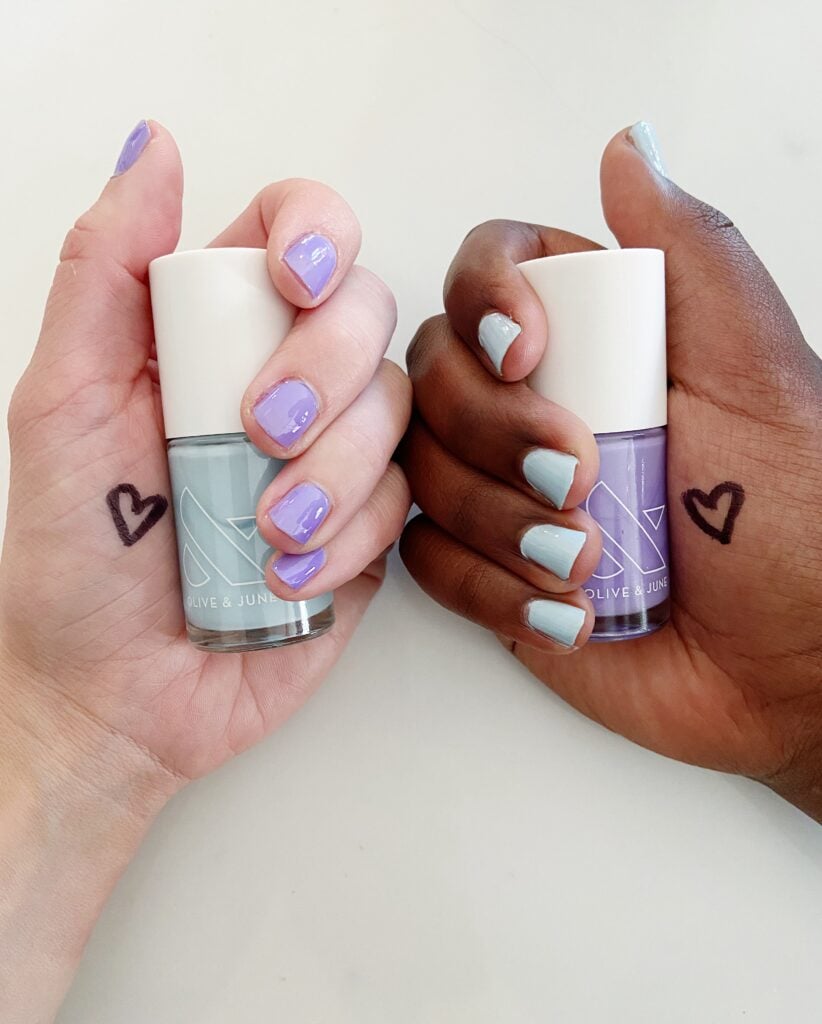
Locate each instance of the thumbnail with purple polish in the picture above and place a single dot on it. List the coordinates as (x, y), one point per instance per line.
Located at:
(132, 148)
(297, 570)
(300, 512)
(287, 411)
(312, 259)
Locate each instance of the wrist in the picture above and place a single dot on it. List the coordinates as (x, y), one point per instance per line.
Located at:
(800, 782)
(51, 742)
(76, 799)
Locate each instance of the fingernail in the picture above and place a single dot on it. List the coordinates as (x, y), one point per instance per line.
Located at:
(300, 512)
(297, 570)
(643, 136)
(551, 473)
(557, 620)
(312, 258)
(555, 548)
(497, 333)
(287, 411)
(132, 148)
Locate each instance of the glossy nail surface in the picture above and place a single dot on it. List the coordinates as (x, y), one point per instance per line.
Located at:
(643, 135)
(133, 146)
(312, 258)
(555, 548)
(551, 473)
(297, 570)
(301, 511)
(497, 333)
(557, 620)
(287, 411)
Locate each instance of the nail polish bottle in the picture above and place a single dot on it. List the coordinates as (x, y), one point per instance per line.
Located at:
(606, 362)
(217, 319)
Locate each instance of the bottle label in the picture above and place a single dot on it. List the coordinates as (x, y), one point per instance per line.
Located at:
(222, 556)
(629, 502)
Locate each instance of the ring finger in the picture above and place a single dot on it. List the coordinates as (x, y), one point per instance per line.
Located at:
(327, 359)
(482, 591)
(316, 495)
(505, 430)
(555, 551)
(375, 527)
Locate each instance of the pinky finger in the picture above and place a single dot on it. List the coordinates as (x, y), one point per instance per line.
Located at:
(483, 592)
(360, 543)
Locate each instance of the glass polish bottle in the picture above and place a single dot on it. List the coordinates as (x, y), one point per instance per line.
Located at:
(606, 362)
(217, 319)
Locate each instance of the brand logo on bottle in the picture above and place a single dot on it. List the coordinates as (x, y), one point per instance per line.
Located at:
(625, 539)
(233, 551)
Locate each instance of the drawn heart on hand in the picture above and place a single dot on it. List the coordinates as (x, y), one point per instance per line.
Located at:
(695, 501)
(155, 503)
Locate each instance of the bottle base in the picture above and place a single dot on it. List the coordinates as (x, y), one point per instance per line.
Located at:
(239, 641)
(608, 628)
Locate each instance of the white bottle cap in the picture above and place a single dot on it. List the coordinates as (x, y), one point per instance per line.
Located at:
(217, 319)
(606, 358)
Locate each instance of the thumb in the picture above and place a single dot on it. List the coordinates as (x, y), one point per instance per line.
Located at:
(97, 323)
(726, 317)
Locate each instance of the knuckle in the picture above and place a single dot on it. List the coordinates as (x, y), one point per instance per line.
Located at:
(398, 386)
(471, 506)
(489, 230)
(80, 241)
(423, 344)
(711, 218)
(377, 291)
(18, 404)
(471, 587)
(386, 511)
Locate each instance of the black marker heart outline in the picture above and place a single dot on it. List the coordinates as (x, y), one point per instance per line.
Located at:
(694, 495)
(156, 504)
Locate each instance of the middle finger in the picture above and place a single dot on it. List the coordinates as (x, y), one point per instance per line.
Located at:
(313, 497)
(327, 359)
(505, 430)
(554, 551)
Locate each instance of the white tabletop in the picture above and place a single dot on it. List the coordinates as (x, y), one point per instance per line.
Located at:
(436, 839)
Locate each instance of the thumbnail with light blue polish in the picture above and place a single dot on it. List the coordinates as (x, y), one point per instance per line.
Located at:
(555, 548)
(497, 333)
(644, 137)
(551, 473)
(554, 619)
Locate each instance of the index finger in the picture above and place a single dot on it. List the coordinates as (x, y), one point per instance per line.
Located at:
(491, 305)
(310, 232)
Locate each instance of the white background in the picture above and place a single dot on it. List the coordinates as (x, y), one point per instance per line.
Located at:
(436, 838)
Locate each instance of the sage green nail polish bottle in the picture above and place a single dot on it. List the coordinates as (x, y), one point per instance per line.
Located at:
(217, 320)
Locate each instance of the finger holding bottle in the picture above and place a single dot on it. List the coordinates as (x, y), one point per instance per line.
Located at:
(316, 495)
(487, 302)
(322, 365)
(311, 235)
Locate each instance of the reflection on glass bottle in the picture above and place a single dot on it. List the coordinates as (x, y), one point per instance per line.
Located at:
(629, 587)
(216, 483)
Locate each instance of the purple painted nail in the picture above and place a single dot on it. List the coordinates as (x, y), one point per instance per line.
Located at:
(295, 570)
(300, 512)
(287, 411)
(132, 148)
(312, 258)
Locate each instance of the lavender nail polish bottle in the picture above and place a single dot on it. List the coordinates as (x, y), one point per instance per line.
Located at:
(217, 319)
(606, 362)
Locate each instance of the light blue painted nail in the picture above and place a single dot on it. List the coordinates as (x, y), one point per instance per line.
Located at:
(497, 333)
(643, 136)
(557, 620)
(551, 473)
(555, 548)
